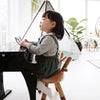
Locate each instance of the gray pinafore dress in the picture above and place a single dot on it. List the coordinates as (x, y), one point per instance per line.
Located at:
(48, 65)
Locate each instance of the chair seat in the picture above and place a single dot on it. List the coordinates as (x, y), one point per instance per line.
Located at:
(54, 79)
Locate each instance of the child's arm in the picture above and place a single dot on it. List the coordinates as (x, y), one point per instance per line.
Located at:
(47, 45)
(26, 42)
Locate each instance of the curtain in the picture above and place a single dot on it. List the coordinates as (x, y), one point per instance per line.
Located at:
(15, 17)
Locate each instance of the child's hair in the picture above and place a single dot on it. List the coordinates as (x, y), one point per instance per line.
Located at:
(58, 30)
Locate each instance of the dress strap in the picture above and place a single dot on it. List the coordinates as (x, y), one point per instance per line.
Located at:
(54, 40)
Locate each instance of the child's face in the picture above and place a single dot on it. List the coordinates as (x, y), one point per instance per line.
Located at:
(47, 25)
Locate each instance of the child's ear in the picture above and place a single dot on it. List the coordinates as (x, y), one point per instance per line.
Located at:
(53, 24)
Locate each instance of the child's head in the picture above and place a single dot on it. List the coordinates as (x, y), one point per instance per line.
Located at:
(57, 23)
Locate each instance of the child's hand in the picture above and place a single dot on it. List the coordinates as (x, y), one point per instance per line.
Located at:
(24, 44)
(27, 41)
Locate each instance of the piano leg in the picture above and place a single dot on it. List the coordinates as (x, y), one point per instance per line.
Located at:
(31, 81)
(3, 93)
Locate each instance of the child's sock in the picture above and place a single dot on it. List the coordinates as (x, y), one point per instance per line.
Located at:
(44, 89)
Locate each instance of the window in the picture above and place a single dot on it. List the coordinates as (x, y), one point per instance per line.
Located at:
(3, 21)
(93, 14)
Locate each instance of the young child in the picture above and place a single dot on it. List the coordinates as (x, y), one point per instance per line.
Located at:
(46, 49)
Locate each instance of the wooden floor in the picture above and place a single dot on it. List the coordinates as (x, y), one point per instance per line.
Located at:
(81, 82)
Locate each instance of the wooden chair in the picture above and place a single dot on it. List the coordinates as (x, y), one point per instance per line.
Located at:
(56, 79)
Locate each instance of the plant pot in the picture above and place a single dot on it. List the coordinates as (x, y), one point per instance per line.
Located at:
(79, 44)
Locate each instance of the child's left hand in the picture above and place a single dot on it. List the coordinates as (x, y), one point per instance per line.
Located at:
(24, 43)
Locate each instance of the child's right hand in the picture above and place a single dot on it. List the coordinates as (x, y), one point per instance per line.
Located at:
(26, 41)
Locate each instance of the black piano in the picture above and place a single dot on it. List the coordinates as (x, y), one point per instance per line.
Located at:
(16, 60)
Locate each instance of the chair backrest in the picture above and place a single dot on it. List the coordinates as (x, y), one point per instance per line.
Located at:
(64, 68)
(62, 58)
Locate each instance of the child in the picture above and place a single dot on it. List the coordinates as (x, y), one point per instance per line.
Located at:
(46, 49)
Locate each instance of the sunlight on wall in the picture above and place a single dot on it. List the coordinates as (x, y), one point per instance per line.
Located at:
(93, 14)
(72, 8)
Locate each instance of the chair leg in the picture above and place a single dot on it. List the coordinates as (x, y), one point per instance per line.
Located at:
(56, 87)
(59, 89)
(44, 95)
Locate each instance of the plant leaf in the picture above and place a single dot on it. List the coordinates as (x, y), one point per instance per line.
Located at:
(79, 27)
(79, 32)
(83, 29)
(83, 20)
(72, 22)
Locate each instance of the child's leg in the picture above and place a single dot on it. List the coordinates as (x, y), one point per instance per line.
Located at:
(44, 89)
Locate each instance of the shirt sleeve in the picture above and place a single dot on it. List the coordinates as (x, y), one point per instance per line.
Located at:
(34, 43)
(42, 48)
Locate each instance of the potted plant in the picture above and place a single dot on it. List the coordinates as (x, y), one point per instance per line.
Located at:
(91, 43)
(76, 30)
